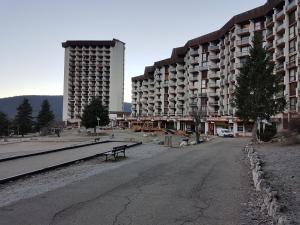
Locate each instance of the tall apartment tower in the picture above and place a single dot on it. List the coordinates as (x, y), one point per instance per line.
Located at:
(93, 69)
(203, 73)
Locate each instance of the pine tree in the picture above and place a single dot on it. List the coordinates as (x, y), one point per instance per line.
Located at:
(4, 124)
(23, 119)
(94, 111)
(45, 116)
(258, 88)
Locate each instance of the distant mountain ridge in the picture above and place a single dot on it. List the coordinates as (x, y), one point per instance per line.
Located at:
(9, 105)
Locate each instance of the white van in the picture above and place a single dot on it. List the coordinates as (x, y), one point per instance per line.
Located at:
(222, 132)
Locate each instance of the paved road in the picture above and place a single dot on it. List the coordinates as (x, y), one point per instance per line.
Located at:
(199, 185)
(26, 165)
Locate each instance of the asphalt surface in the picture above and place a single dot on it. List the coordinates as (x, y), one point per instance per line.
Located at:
(27, 165)
(199, 185)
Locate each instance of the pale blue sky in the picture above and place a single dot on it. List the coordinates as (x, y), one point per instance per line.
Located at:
(31, 56)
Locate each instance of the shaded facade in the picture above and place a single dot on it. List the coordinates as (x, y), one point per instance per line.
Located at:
(202, 73)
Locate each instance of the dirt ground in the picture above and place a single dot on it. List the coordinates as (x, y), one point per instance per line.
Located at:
(282, 165)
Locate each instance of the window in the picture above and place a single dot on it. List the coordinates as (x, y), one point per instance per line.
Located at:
(292, 46)
(292, 32)
(245, 38)
(293, 102)
(292, 75)
(204, 56)
(292, 17)
(245, 49)
(240, 127)
(203, 84)
(258, 26)
(292, 59)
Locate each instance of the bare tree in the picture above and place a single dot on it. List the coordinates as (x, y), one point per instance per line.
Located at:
(198, 114)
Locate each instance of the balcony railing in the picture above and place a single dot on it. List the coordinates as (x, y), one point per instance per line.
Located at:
(194, 52)
(292, 4)
(242, 31)
(280, 15)
(214, 47)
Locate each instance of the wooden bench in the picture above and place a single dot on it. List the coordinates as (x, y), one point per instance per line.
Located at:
(115, 152)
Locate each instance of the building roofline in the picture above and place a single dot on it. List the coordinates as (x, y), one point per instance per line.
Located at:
(258, 12)
(111, 43)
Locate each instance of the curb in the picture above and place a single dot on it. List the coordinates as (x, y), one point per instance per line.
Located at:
(270, 196)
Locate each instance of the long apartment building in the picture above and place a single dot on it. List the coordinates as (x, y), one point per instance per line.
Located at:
(93, 69)
(203, 72)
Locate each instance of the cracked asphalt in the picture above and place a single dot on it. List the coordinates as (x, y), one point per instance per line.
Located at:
(206, 184)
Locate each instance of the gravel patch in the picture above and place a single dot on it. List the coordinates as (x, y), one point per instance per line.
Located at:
(41, 183)
(282, 167)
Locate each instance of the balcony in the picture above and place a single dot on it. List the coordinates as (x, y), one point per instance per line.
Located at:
(291, 64)
(172, 69)
(194, 69)
(270, 35)
(213, 103)
(203, 67)
(243, 31)
(213, 75)
(280, 42)
(280, 29)
(193, 96)
(194, 52)
(202, 94)
(280, 15)
(193, 78)
(194, 61)
(269, 22)
(180, 90)
(172, 84)
(193, 87)
(165, 83)
(242, 54)
(180, 75)
(280, 55)
(180, 68)
(180, 98)
(291, 6)
(171, 105)
(172, 76)
(172, 99)
(212, 94)
(243, 42)
(214, 57)
(239, 65)
(180, 83)
(213, 84)
(158, 78)
(214, 66)
(193, 103)
(270, 46)
(280, 68)
(214, 48)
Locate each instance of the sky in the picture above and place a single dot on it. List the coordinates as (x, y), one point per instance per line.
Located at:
(31, 56)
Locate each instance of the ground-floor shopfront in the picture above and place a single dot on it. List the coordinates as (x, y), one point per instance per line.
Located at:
(208, 125)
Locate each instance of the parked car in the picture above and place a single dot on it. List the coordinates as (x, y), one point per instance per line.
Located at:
(222, 132)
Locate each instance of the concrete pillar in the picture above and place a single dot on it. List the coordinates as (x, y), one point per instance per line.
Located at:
(235, 130)
(206, 128)
(178, 125)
